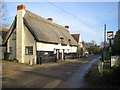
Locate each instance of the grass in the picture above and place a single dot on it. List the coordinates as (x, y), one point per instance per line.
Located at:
(12, 60)
(106, 60)
(110, 77)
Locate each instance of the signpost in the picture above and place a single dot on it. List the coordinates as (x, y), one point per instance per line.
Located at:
(110, 37)
(100, 67)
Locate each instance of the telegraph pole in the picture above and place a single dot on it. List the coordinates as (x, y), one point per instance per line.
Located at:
(105, 36)
(101, 63)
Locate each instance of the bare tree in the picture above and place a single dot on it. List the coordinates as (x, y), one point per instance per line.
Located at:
(2, 10)
(93, 42)
(3, 15)
(102, 44)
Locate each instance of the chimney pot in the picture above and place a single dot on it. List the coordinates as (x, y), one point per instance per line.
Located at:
(50, 19)
(19, 7)
(67, 27)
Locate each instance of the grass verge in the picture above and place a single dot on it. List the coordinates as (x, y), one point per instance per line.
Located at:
(109, 79)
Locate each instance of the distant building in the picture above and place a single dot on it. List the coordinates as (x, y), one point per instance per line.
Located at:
(89, 44)
(32, 38)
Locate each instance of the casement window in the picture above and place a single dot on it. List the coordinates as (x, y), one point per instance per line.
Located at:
(29, 50)
(62, 41)
(10, 49)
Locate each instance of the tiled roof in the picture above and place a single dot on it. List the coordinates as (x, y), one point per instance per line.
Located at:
(76, 37)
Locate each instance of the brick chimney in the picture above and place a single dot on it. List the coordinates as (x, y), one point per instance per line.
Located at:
(19, 7)
(50, 19)
(20, 49)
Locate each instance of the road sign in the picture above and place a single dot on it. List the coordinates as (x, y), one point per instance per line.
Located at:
(110, 35)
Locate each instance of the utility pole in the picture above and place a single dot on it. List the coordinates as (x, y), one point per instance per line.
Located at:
(105, 36)
(101, 63)
(104, 48)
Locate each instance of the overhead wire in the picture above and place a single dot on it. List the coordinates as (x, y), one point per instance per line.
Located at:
(63, 10)
(78, 18)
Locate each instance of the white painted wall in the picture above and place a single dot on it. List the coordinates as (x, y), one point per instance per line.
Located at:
(73, 49)
(20, 49)
(80, 42)
(51, 47)
(29, 41)
(45, 47)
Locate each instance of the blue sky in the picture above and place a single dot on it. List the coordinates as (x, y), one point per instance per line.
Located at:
(85, 18)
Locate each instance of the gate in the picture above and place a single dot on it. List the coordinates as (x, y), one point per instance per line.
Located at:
(45, 57)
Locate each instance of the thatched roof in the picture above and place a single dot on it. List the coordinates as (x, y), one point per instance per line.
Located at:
(46, 31)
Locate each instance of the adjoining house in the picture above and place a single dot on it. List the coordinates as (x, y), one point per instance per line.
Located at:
(80, 49)
(3, 33)
(32, 38)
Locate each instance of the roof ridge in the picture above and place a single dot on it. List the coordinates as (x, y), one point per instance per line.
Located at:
(75, 34)
(46, 21)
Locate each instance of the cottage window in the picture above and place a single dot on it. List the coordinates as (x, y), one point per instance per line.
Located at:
(61, 40)
(29, 50)
(10, 49)
(69, 40)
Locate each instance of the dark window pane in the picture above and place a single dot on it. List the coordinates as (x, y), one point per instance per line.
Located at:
(29, 50)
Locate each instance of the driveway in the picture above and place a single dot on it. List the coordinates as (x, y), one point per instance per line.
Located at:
(64, 74)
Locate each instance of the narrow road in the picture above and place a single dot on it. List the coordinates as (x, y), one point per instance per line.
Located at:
(66, 74)
(77, 79)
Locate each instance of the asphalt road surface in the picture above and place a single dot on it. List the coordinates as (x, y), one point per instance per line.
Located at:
(68, 74)
(77, 79)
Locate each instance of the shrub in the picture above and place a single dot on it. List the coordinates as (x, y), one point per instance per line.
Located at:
(13, 60)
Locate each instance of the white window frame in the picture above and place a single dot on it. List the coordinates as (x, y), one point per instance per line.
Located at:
(28, 50)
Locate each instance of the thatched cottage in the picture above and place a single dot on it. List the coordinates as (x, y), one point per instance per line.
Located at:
(32, 38)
